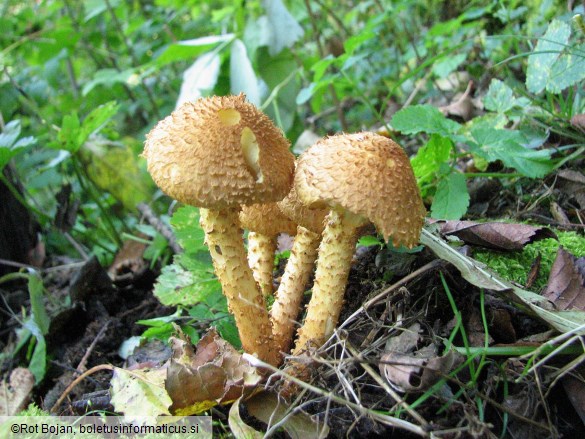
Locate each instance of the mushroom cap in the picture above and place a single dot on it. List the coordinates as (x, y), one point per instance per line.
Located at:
(267, 219)
(368, 175)
(219, 152)
(293, 208)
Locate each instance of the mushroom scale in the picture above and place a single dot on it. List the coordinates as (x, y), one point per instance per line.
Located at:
(219, 153)
(361, 177)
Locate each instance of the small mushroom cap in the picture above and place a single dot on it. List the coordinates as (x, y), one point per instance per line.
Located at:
(368, 175)
(311, 219)
(219, 152)
(266, 219)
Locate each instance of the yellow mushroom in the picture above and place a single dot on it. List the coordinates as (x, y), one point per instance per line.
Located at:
(360, 177)
(219, 153)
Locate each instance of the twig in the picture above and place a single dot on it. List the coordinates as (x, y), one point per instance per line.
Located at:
(77, 380)
(388, 420)
(82, 364)
(159, 226)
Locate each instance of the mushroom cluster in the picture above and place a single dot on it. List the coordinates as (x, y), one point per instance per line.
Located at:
(225, 156)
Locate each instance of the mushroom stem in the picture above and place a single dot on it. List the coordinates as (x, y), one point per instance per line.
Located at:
(261, 249)
(224, 238)
(285, 311)
(335, 253)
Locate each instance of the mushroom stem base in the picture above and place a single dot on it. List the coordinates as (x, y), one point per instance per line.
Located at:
(223, 236)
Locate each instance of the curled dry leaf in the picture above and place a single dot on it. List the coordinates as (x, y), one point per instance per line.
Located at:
(566, 282)
(15, 393)
(215, 374)
(408, 368)
(495, 235)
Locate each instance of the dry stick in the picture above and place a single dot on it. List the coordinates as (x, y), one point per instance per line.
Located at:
(77, 380)
(83, 362)
(395, 396)
(388, 420)
(159, 226)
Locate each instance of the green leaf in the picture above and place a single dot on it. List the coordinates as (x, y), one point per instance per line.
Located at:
(428, 160)
(177, 286)
(107, 77)
(568, 70)
(38, 310)
(96, 119)
(451, 199)
(499, 98)
(189, 234)
(546, 52)
(115, 168)
(10, 145)
(285, 31)
(369, 241)
(423, 118)
(242, 76)
(68, 135)
(190, 49)
(448, 64)
(507, 146)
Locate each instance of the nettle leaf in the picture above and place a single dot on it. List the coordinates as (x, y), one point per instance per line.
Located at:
(178, 286)
(96, 119)
(10, 144)
(568, 69)
(499, 98)
(423, 118)
(545, 54)
(190, 235)
(284, 29)
(507, 146)
(451, 199)
(428, 159)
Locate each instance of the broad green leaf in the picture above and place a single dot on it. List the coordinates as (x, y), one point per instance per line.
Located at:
(448, 64)
(429, 158)
(190, 235)
(115, 168)
(177, 286)
(190, 49)
(10, 144)
(200, 77)
(507, 146)
(38, 361)
(568, 70)
(369, 241)
(96, 119)
(499, 98)
(242, 76)
(38, 310)
(140, 392)
(284, 29)
(451, 199)
(68, 135)
(423, 118)
(107, 77)
(546, 52)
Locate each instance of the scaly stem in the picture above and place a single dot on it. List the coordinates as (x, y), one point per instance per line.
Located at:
(261, 249)
(286, 308)
(335, 252)
(223, 236)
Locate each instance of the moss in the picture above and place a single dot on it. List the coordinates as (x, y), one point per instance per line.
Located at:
(515, 266)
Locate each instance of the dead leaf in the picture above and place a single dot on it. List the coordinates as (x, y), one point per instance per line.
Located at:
(238, 427)
(566, 282)
(408, 368)
(575, 389)
(495, 235)
(268, 408)
(215, 374)
(461, 105)
(572, 183)
(129, 263)
(578, 121)
(15, 393)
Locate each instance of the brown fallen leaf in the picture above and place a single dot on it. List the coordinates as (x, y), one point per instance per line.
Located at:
(566, 282)
(15, 393)
(578, 121)
(575, 390)
(495, 235)
(215, 374)
(410, 369)
(572, 183)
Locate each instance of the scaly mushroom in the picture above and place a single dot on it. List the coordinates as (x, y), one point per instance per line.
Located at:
(219, 153)
(360, 177)
(300, 265)
(264, 222)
